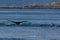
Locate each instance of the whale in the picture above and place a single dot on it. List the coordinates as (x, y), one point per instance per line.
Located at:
(17, 22)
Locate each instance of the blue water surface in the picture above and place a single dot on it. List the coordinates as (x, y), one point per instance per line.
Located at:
(35, 16)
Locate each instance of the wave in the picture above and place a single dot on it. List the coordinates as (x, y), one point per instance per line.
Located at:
(12, 39)
(31, 24)
(19, 11)
(23, 11)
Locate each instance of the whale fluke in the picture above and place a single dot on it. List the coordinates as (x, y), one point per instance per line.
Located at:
(16, 22)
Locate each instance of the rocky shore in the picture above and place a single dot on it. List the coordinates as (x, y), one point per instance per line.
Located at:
(54, 5)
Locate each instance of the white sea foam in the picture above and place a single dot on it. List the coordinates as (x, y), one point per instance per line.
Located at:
(28, 11)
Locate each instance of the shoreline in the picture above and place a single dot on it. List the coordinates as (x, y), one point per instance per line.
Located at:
(54, 5)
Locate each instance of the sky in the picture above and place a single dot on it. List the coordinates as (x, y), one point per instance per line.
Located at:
(24, 2)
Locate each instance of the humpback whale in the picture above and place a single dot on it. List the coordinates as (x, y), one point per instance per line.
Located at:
(16, 22)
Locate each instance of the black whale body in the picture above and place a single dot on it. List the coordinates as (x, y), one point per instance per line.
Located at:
(27, 23)
(30, 24)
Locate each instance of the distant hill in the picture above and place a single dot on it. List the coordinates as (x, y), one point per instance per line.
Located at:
(54, 5)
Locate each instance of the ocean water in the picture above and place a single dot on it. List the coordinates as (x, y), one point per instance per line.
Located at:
(31, 30)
